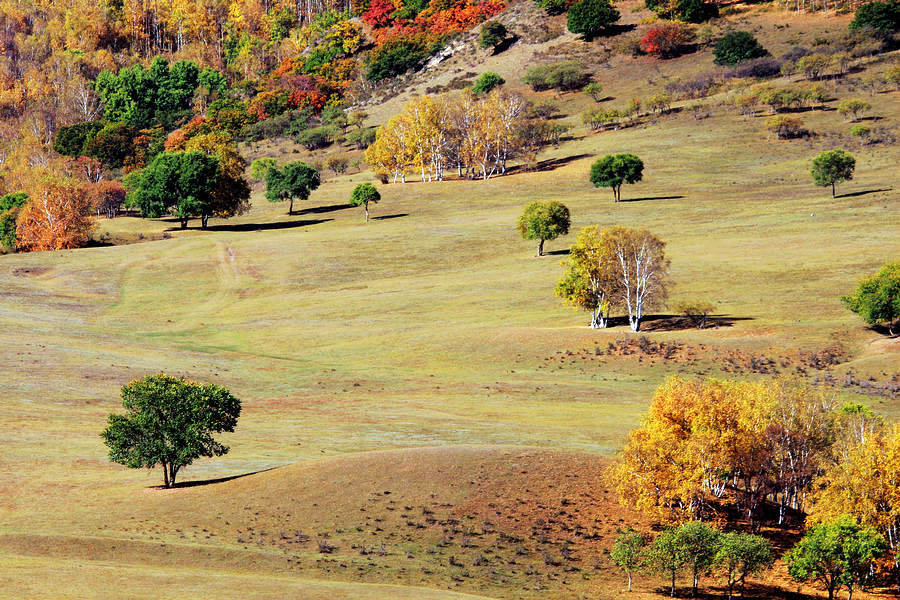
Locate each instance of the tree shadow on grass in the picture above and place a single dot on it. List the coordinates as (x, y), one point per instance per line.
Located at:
(199, 482)
(550, 164)
(651, 198)
(863, 193)
(259, 226)
(386, 217)
(322, 209)
(680, 322)
(563, 252)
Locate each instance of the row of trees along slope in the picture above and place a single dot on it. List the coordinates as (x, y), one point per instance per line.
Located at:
(770, 452)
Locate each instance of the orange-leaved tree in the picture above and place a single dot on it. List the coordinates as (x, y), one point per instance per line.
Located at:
(57, 217)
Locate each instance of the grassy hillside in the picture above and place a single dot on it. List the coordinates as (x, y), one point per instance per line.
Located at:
(432, 326)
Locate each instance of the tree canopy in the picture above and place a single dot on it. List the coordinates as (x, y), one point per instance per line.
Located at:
(170, 422)
(543, 221)
(592, 17)
(737, 46)
(615, 169)
(180, 182)
(838, 553)
(877, 297)
(363, 195)
(832, 167)
(293, 181)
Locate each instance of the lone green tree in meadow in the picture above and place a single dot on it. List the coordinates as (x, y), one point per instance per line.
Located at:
(832, 167)
(740, 555)
(627, 552)
(544, 221)
(877, 297)
(613, 170)
(169, 422)
(293, 181)
(838, 553)
(363, 195)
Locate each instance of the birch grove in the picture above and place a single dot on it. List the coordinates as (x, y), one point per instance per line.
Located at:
(475, 135)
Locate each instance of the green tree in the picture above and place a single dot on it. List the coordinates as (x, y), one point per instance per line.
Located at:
(169, 422)
(668, 555)
(882, 18)
(877, 297)
(363, 195)
(111, 145)
(70, 140)
(592, 17)
(853, 109)
(740, 555)
(486, 82)
(700, 542)
(293, 181)
(9, 211)
(627, 552)
(615, 169)
(142, 98)
(260, 167)
(837, 553)
(180, 182)
(736, 47)
(594, 90)
(544, 221)
(832, 167)
(493, 34)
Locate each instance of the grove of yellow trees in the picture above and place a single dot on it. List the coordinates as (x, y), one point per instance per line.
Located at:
(475, 134)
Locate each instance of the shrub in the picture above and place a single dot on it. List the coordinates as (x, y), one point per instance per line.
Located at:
(318, 137)
(853, 109)
(259, 168)
(736, 47)
(597, 119)
(667, 40)
(562, 76)
(862, 132)
(395, 57)
(877, 17)
(362, 138)
(813, 65)
(594, 90)
(592, 17)
(70, 141)
(692, 88)
(659, 103)
(111, 145)
(546, 109)
(553, 7)
(760, 68)
(287, 124)
(493, 34)
(337, 164)
(692, 11)
(785, 127)
(486, 82)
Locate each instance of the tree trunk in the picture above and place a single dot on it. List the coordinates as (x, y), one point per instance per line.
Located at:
(673, 584)
(204, 220)
(832, 189)
(184, 223)
(367, 212)
(629, 581)
(291, 209)
(541, 248)
(166, 474)
(635, 324)
(696, 583)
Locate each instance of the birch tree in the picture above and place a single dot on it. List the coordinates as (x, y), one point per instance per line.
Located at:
(643, 270)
